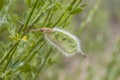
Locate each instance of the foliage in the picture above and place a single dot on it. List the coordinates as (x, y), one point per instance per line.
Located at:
(25, 53)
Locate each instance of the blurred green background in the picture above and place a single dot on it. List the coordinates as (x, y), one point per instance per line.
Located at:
(100, 40)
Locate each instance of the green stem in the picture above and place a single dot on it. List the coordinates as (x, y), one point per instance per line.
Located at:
(7, 54)
(12, 50)
(65, 21)
(64, 13)
(78, 3)
(31, 13)
(19, 30)
(68, 16)
(47, 17)
(31, 57)
(23, 59)
(43, 63)
(41, 12)
(9, 58)
(51, 15)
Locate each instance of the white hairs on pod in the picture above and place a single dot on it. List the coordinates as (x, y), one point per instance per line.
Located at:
(69, 36)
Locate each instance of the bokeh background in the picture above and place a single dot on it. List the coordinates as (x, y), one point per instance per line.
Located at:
(98, 28)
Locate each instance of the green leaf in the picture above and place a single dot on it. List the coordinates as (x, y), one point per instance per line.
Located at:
(76, 11)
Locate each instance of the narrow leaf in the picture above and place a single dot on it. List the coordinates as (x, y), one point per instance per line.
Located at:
(76, 11)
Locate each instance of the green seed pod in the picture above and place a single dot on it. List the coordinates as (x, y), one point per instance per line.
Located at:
(67, 43)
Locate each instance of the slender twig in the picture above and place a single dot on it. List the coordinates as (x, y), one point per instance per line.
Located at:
(42, 43)
(40, 13)
(78, 3)
(68, 16)
(31, 13)
(47, 17)
(7, 54)
(20, 28)
(9, 58)
(49, 14)
(65, 21)
(62, 15)
(42, 65)
(30, 58)
(12, 50)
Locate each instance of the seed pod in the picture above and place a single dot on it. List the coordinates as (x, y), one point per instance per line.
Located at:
(67, 43)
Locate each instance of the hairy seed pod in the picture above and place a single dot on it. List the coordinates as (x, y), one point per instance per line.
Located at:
(67, 43)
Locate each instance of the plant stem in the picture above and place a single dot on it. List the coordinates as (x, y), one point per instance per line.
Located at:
(65, 21)
(78, 3)
(31, 13)
(68, 16)
(47, 17)
(31, 57)
(12, 50)
(41, 12)
(64, 13)
(7, 54)
(9, 58)
(43, 63)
